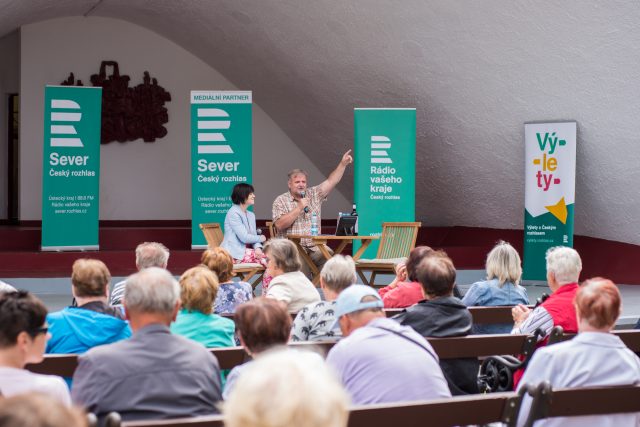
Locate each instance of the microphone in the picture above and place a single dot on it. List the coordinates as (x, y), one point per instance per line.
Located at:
(303, 194)
(258, 231)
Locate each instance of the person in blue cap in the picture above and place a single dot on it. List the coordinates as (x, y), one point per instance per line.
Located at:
(379, 360)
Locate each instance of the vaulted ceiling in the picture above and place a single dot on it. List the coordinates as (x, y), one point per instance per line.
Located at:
(475, 71)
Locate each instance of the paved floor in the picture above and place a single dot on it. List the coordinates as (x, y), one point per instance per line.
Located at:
(56, 292)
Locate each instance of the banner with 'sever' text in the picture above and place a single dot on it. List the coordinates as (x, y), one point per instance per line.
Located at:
(385, 169)
(221, 154)
(550, 192)
(71, 168)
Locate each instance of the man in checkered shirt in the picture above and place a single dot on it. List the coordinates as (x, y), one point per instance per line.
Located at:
(289, 215)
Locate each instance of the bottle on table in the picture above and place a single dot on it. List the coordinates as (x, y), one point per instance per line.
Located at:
(314, 224)
(355, 213)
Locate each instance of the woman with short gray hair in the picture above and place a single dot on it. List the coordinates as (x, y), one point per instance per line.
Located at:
(289, 285)
(502, 287)
(314, 322)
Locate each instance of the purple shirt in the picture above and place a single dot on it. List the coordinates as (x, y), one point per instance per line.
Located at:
(379, 366)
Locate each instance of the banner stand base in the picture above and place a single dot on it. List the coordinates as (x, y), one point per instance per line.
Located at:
(69, 248)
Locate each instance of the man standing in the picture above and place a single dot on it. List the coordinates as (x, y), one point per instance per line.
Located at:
(381, 361)
(292, 210)
(153, 375)
(148, 254)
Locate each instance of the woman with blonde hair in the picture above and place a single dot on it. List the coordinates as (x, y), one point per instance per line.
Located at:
(287, 388)
(230, 294)
(502, 287)
(195, 320)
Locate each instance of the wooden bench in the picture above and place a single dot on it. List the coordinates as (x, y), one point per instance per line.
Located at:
(572, 402)
(447, 348)
(478, 409)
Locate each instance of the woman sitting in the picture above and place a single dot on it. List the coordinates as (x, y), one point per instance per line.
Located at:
(23, 336)
(289, 285)
(261, 324)
(230, 293)
(405, 290)
(501, 287)
(198, 289)
(240, 230)
(595, 357)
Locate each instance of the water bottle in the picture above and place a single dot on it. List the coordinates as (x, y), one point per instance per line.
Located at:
(355, 213)
(314, 224)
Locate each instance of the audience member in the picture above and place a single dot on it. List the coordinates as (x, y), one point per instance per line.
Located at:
(563, 271)
(5, 287)
(93, 322)
(23, 336)
(595, 357)
(261, 324)
(441, 314)
(153, 375)
(289, 285)
(314, 321)
(287, 388)
(502, 286)
(380, 361)
(148, 254)
(39, 410)
(199, 287)
(230, 294)
(405, 290)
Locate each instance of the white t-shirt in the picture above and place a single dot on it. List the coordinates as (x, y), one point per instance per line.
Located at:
(294, 289)
(15, 381)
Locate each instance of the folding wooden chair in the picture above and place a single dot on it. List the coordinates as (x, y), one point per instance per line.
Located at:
(397, 240)
(214, 236)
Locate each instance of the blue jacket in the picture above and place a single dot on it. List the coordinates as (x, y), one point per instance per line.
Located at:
(76, 330)
(239, 230)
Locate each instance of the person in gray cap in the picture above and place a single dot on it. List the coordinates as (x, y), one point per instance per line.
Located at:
(379, 360)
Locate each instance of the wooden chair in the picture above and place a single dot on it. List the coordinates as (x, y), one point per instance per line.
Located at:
(272, 229)
(397, 240)
(214, 236)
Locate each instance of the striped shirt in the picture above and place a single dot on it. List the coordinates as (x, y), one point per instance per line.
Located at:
(118, 293)
(539, 318)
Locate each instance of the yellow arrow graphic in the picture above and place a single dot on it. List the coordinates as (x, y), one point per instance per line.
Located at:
(559, 210)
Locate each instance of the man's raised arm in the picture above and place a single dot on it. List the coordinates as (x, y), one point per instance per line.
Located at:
(334, 177)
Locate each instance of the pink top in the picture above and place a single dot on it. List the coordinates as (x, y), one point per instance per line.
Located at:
(404, 295)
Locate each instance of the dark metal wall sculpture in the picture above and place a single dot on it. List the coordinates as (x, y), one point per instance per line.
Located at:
(128, 113)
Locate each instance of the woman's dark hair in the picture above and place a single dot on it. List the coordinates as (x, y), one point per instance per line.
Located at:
(19, 311)
(240, 193)
(415, 256)
(263, 323)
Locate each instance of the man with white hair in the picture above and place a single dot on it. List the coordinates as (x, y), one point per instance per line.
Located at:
(148, 254)
(316, 321)
(379, 360)
(563, 271)
(153, 375)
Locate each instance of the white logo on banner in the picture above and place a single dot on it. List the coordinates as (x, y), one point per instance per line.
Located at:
(64, 135)
(379, 145)
(212, 121)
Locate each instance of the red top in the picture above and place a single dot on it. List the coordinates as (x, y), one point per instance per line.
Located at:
(405, 294)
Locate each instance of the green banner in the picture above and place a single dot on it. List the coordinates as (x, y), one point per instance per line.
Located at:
(221, 156)
(550, 189)
(71, 168)
(385, 169)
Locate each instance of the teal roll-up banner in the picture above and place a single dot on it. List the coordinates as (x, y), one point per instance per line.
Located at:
(221, 155)
(71, 168)
(385, 169)
(550, 192)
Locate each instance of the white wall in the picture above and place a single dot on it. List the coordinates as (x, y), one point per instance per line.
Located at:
(140, 181)
(9, 83)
